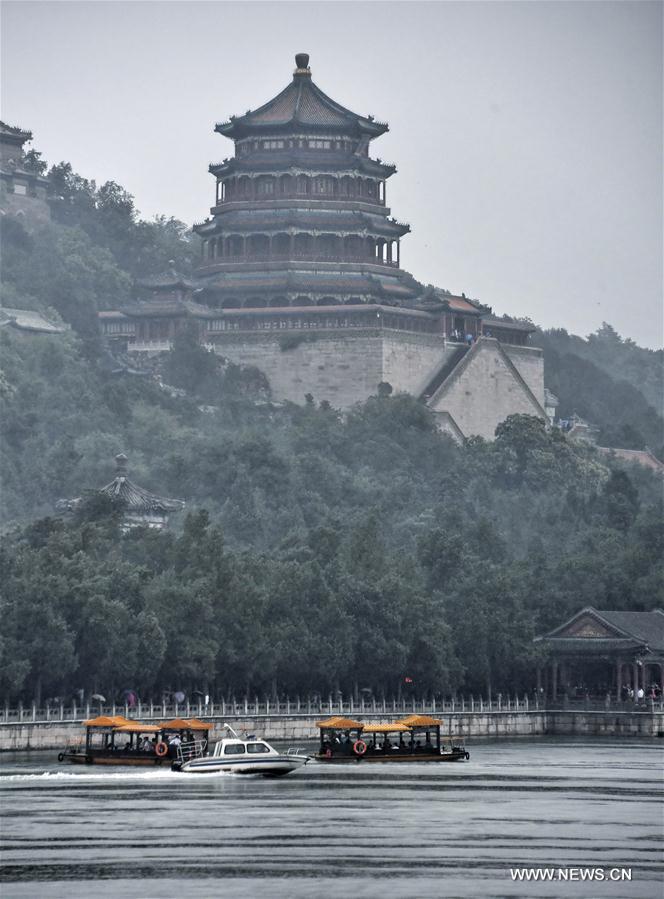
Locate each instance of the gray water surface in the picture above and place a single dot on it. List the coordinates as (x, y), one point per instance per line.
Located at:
(389, 830)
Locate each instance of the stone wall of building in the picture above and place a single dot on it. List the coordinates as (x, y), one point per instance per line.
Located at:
(483, 390)
(346, 367)
(410, 360)
(31, 209)
(341, 367)
(530, 362)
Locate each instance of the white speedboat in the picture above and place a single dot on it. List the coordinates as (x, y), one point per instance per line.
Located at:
(250, 755)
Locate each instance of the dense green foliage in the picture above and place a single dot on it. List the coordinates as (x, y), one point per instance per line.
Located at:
(319, 551)
(609, 381)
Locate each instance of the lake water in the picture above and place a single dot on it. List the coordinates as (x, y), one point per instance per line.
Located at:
(448, 830)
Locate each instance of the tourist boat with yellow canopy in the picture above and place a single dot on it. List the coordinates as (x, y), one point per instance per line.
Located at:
(116, 740)
(415, 738)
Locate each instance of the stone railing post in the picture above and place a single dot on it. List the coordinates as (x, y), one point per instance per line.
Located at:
(73, 711)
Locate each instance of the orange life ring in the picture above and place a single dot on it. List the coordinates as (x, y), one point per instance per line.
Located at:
(359, 747)
(161, 749)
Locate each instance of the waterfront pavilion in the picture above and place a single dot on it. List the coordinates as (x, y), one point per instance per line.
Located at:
(603, 652)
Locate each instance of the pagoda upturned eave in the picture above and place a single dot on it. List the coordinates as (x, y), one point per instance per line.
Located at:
(293, 162)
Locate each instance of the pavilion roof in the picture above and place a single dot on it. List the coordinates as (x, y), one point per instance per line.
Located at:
(338, 722)
(301, 105)
(165, 306)
(135, 499)
(493, 321)
(185, 724)
(108, 721)
(170, 278)
(421, 721)
(383, 727)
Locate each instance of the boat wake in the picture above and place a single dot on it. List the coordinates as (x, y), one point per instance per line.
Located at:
(97, 777)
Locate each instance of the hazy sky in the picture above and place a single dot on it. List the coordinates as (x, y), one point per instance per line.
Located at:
(528, 136)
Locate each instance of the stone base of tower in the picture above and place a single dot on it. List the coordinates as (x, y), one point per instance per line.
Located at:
(469, 389)
(341, 367)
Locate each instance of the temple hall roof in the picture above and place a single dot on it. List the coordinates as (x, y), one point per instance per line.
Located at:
(13, 134)
(29, 320)
(302, 104)
(593, 629)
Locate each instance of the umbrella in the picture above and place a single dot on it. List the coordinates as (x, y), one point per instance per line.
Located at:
(97, 697)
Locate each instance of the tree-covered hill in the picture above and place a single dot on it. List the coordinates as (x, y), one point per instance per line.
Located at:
(319, 550)
(609, 381)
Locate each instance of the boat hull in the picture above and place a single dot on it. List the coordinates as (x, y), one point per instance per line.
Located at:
(455, 755)
(117, 758)
(276, 766)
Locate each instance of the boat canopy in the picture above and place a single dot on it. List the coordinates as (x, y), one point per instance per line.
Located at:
(135, 727)
(108, 721)
(421, 721)
(385, 728)
(185, 724)
(339, 723)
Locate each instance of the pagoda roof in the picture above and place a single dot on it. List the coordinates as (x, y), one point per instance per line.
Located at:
(135, 499)
(400, 284)
(282, 161)
(301, 105)
(308, 219)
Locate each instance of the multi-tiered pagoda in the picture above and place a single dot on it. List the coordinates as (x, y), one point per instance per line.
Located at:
(300, 276)
(301, 217)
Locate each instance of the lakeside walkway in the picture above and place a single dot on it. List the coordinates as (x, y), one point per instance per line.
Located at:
(54, 727)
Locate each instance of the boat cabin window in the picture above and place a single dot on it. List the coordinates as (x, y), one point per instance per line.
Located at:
(234, 749)
(257, 747)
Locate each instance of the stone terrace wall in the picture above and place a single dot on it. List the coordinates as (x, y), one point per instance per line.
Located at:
(55, 735)
(341, 367)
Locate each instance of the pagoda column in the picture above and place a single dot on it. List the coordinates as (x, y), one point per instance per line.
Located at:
(554, 680)
(618, 679)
